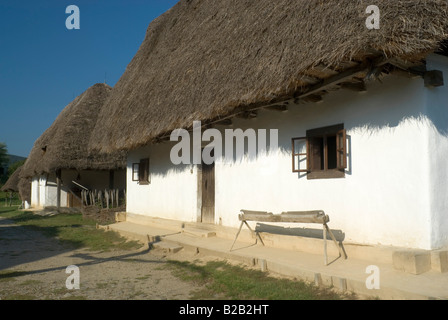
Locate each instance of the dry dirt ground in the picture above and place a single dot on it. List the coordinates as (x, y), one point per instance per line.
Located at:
(33, 266)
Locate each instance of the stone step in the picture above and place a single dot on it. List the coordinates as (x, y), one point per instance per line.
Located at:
(420, 261)
(199, 232)
(167, 246)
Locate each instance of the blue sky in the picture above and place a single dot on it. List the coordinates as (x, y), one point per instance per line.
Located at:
(44, 66)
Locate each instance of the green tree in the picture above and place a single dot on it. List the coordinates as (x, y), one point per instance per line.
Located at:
(13, 167)
(4, 158)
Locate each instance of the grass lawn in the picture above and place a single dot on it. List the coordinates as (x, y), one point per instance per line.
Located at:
(222, 280)
(218, 279)
(5, 199)
(70, 229)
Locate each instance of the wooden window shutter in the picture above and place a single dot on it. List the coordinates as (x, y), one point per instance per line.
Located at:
(316, 154)
(341, 149)
(296, 154)
(143, 171)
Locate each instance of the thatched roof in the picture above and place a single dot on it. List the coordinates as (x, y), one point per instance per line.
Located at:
(13, 182)
(25, 189)
(207, 59)
(20, 185)
(64, 145)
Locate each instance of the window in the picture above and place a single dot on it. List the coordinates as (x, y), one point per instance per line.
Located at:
(143, 171)
(324, 152)
(140, 171)
(135, 171)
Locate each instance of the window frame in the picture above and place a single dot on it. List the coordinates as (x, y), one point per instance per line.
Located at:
(340, 153)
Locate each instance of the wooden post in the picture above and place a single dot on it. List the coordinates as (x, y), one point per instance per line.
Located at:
(106, 196)
(100, 198)
(325, 244)
(112, 197)
(58, 192)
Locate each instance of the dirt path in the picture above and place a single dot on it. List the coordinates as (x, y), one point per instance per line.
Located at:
(33, 266)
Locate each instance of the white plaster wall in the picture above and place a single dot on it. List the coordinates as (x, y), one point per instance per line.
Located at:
(437, 110)
(42, 190)
(172, 192)
(51, 192)
(35, 192)
(390, 194)
(384, 197)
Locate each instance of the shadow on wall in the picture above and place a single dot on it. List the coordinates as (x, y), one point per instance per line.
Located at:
(384, 107)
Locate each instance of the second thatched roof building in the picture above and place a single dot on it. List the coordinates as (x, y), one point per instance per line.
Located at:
(60, 165)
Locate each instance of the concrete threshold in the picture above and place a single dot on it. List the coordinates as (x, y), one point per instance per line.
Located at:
(365, 277)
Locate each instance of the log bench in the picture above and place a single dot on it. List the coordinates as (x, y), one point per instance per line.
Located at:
(316, 216)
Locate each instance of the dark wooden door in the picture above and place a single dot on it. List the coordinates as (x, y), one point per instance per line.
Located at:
(208, 193)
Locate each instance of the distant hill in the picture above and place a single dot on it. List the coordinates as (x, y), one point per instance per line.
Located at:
(13, 158)
(4, 170)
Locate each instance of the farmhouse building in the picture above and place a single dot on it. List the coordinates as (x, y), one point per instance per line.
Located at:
(361, 114)
(60, 167)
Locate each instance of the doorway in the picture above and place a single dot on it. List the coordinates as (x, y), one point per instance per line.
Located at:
(208, 192)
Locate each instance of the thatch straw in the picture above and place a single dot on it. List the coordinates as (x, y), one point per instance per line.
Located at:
(64, 144)
(25, 189)
(203, 58)
(13, 182)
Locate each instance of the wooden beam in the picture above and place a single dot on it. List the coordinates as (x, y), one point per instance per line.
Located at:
(278, 107)
(342, 77)
(359, 86)
(224, 122)
(312, 98)
(247, 115)
(433, 78)
(309, 79)
(321, 68)
(404, 73)
(354, 69)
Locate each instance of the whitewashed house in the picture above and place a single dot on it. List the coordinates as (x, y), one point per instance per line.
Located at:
(361, 116)
(59, 166)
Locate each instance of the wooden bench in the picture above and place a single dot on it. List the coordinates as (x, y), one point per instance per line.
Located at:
(316, 216)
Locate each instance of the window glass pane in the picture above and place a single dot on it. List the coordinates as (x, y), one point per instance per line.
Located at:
(317, 153)
(332, 154)
(300, 154)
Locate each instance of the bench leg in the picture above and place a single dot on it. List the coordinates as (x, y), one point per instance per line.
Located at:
(341, 252)
(325, 244)
(237, 234)
(255, 233)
